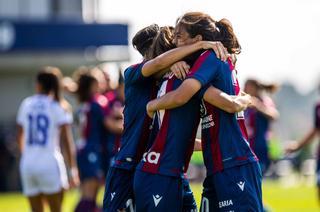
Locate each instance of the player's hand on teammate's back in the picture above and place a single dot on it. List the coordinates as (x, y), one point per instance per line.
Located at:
(180, 69)
(218, 48)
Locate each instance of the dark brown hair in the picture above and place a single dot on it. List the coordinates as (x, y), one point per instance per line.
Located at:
(49, 79)
(143, 39)
(270, 88)
(84, 79)
(198, 23)
(162, 42)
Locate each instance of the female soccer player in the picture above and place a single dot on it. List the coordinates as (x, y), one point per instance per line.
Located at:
(42, 121)
(307, 139)
(91, 120)
(113, 117)
(259, 116)
(157, 184)
(140, 87)
(233, 179)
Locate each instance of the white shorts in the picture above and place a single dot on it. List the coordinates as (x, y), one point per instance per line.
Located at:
(43, 176)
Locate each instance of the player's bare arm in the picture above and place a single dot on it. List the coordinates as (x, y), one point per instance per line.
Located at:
(165, 60)
(113, 125)
(68, 143)
(309, 137)
(20, 137)
(230, 104)
(191, 86)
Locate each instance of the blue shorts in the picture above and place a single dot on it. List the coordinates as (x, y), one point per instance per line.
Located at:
(234, 189)
(157, 192)
(89, 164)
(189, 203)
(118, 192)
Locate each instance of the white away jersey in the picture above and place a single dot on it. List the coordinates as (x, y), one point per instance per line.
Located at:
(41, 116)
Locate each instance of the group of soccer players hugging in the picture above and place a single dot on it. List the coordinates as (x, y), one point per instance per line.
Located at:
(187, 74)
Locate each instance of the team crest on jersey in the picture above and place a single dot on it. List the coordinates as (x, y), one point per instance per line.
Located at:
(203, 109)
(151, 157)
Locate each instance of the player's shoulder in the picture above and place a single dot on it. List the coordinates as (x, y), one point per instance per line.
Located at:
(98, 104)
(28, 101)
(209, 57)
(209, 54)
(132, 68)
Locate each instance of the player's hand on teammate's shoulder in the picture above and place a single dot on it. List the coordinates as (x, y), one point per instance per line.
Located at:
(217, 47)
(180, 69)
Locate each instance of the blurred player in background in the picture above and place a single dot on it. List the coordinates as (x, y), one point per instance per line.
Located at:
(307, 139)
(259, 117)
(91, 118)
(112, 108)
(114, 113)
(44, 121)
(229, 161)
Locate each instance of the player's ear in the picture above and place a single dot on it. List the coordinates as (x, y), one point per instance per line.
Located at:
(198, 38)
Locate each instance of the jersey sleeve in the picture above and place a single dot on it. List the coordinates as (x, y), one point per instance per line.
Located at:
(133, 74)
(317, 117)
(69, 117)
(21, 113)
(62, 116)
(205, 69)
(202, 91)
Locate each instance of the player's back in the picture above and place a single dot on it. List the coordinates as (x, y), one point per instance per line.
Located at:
(173, 145)
(224, 136)
(139, 90)
(41, 118)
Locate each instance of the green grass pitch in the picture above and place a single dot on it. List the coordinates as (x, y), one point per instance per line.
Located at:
(279, 196)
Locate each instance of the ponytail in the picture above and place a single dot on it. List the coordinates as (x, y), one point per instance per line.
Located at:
(227, 36)
(162, 42)
(198, 23)
(268, 87)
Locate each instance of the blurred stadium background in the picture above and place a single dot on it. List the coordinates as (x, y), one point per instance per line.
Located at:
(70, 33)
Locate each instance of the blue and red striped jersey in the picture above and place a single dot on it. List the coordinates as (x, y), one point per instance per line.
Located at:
(172, 148)
(258, 126)
(139, 90)
(90, 118)
(224, 136)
